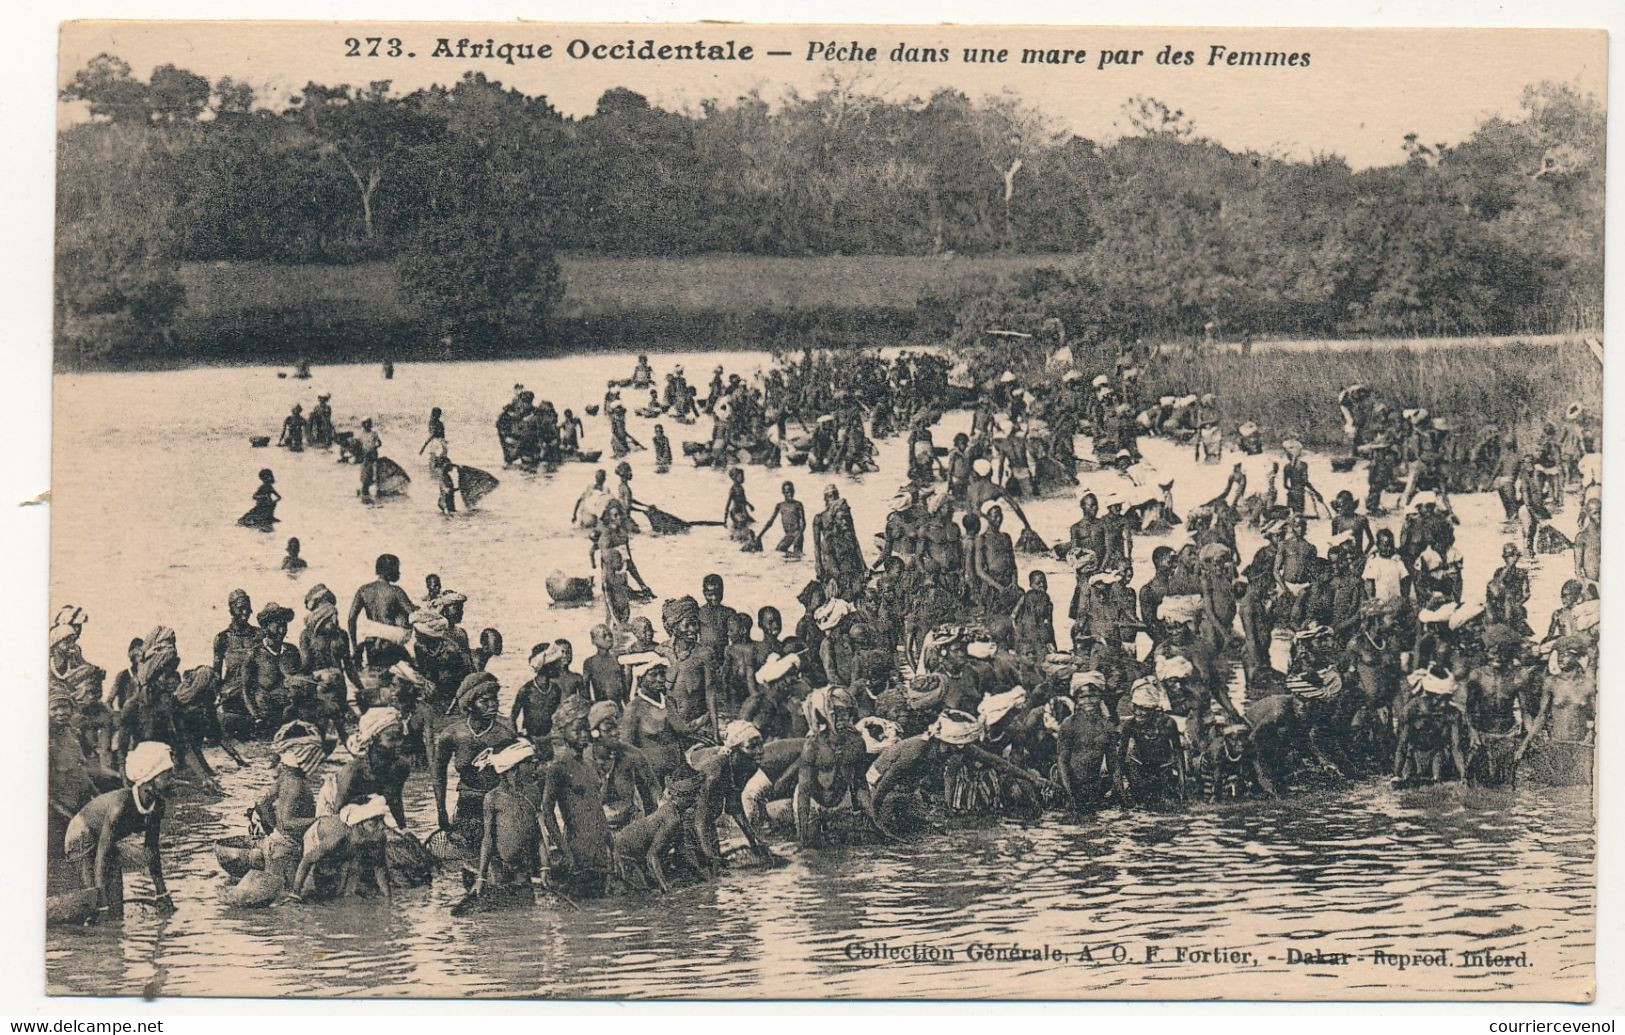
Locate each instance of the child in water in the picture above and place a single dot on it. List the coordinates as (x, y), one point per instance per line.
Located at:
(447, 486)
(602, 670)
(792, 519)
(616, 594)
(662, 450)
(263, 515)
(490, 647)
(1247, 438)
(738, 662)
(435, 444)
(570, 434)
(736, 513)
(1034, 617)
(293, 564)
(1209, 442)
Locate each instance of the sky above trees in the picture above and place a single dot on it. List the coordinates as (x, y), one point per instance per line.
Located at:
(1363, 91)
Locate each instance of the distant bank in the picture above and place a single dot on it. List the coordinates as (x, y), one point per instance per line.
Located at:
(260, 312)
(257, 312)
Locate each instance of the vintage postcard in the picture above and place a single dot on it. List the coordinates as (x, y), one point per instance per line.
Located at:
(730, 511)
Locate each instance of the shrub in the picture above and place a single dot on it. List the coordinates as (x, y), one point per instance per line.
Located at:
(484, 282)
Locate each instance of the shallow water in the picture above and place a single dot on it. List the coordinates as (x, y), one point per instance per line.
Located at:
(153, 469)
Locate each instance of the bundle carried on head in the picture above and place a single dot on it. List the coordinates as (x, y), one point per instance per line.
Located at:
(994, 707)
(956, 727)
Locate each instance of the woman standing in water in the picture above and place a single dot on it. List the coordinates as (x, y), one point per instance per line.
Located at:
(263, 516)
(437, 438)
(320, 425)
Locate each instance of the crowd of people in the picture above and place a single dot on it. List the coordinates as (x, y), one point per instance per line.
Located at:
(923, 678)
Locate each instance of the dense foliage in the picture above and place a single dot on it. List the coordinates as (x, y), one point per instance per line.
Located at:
(1172, 232)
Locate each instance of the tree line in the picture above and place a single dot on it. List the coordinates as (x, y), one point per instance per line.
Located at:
(470, 189)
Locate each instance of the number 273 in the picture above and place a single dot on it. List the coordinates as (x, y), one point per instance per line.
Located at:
(370, 46)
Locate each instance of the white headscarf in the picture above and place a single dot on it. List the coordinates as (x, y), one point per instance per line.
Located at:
(1090, 680)
(1465, 613)
(878, 734)
(1148, 693)
(549, 654)
(359, 812)
(373, 722)
(1443, 685)
(71, 615)
(1174, 667)
(146, 761)
(1177, 610)
(738, 733)
(508, 757)
(830, 615)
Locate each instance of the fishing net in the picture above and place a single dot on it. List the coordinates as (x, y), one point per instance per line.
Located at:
(662, 523)
(1550, 540)
(446, 847)
(1555, 763)
(391, 479)
(475, 483)
(1029, 542)
(410, 862)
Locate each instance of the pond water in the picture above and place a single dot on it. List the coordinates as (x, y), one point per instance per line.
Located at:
(153, 469)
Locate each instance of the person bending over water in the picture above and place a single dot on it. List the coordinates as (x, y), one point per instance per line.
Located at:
(93, 836)
(907, 765)
(340, 849)
(724, 773)
(375, 766)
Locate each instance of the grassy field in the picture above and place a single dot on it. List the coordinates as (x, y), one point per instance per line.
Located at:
(599, 286)
(258, 312)
(1481, 385)
(608, 290)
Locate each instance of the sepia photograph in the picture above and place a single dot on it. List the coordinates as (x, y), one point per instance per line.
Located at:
(824, 512)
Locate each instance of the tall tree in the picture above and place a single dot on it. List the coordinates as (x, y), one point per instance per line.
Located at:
(106, 85)
(367, 131)
(177, 95)
(1012, 134)
(117, 286)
